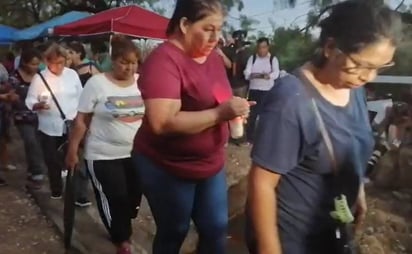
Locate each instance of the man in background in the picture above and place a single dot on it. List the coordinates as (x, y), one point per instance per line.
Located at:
(261, 71)
(238, 55)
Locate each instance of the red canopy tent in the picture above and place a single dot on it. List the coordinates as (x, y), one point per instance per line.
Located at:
(129, 20)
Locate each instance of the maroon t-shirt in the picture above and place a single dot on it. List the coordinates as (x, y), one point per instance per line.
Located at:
(169, 73)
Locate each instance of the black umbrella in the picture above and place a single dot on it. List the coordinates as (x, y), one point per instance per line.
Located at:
(69, 207)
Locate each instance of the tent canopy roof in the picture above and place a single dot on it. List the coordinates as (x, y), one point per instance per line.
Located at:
(128, 20)
(41, 29)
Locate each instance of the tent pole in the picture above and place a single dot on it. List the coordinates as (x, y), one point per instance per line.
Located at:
(110, 44)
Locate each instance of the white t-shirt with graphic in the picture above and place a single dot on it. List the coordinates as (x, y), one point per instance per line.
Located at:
(117, 115)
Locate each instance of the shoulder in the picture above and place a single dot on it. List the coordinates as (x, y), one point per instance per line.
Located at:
(97, 79)
(164, 56)
(288, 88)
(70, 72)
(164, 50)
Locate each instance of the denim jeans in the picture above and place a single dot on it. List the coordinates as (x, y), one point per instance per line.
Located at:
(174, 201)
(32, 149)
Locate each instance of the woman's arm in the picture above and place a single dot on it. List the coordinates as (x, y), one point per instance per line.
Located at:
(226, 60)
(32, 100)
(81, 125)
(263, 206)
(164, 115)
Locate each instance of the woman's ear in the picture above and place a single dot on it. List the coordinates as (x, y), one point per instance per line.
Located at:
(183, 25)
(329, 49)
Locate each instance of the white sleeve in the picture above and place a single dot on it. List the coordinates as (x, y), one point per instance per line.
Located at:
(275, 68)
(34, 91)
(78, 84)
(248, 70)
(89, 97)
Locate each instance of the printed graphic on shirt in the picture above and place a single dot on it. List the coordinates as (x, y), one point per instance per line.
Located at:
(127, 109)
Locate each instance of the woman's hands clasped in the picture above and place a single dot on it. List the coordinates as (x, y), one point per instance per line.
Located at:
(234, 107)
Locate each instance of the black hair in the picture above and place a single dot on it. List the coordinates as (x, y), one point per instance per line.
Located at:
(98, 47)
(193, 10)
(263, 39)
(43, 47)
(354, 24)
(28, 55)
(10, 56)
(121, 46)
(78, 48)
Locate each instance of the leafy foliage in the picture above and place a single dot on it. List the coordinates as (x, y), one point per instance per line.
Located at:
(292, 47)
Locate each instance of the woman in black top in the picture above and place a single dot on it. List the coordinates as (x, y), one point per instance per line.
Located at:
(25, 119)
(85, 68)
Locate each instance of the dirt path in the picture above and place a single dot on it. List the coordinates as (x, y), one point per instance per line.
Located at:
(24, 229)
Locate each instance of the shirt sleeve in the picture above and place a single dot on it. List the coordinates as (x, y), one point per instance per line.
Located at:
(160, 77)
(275, 69)
(278, 140)
(89, 97)
(248, 70)
(78, 84)
(34, 91)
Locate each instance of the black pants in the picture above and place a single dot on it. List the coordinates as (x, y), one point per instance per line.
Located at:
(118, 195)
(54, 160)
(258, 96)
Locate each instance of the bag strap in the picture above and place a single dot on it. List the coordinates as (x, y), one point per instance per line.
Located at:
(62, 115)
(322, 126)
(325, 136)
(272, 56)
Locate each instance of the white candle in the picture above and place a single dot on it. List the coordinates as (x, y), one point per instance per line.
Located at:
(44, 97)
(236, 127)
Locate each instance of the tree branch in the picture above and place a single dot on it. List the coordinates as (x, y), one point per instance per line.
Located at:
(313, 23)
(399, 5)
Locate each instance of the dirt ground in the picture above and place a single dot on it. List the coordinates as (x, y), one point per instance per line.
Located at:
(388, 225)
(24, 229)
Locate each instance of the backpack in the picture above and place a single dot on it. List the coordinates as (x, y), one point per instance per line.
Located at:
(270, 59)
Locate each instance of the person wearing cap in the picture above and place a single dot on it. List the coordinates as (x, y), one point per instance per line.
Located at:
(239, 57)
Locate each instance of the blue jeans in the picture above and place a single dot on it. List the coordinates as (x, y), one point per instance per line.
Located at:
(174, 201)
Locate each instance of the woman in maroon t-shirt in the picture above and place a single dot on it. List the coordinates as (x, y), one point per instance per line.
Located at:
(179, 149)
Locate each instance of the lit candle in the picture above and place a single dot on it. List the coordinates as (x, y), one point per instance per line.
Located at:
(44, 97)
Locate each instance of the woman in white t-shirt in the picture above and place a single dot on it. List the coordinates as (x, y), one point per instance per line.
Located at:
(109, 114)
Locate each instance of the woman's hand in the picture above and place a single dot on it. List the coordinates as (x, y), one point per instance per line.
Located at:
(41, 106)
(361, 209)
(72, 159)
(234, 107)
(12, 96)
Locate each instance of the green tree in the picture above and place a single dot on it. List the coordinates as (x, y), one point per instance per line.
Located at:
(292, 47)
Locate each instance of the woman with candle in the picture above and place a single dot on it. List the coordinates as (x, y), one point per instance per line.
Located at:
(66, 87)
(179, 150)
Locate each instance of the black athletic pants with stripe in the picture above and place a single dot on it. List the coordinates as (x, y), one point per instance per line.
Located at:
(118, 195)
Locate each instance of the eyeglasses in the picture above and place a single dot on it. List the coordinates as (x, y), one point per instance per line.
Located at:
(362, 68)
